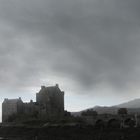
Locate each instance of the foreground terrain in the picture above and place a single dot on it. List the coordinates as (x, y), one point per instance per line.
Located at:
(69, 133)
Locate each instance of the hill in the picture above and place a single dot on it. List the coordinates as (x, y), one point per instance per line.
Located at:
(132, 106)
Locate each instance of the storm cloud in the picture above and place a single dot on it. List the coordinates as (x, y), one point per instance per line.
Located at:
(83, 44)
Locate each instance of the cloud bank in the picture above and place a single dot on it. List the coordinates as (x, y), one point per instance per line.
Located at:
(85, 44)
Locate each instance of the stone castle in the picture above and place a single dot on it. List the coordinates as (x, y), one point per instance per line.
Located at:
(49, 103)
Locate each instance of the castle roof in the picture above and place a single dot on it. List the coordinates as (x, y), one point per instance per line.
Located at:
(12, 100)
(51, 89)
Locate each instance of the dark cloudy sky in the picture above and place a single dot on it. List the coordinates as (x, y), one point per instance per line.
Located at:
(90, 47)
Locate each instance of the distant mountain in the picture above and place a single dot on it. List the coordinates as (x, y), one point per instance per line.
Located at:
(132, 106)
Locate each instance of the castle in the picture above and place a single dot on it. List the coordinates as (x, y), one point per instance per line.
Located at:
(49, 103)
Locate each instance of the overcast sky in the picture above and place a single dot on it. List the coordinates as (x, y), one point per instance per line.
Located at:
(91, 48)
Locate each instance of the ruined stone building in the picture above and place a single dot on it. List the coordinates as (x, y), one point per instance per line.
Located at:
(49, 103)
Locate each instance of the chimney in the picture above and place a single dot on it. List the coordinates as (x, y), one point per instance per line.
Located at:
(31, 101)
(42, 87)
(57, 85)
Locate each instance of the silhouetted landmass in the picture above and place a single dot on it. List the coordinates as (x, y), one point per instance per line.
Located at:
(132, 106)
(69, 133)
(99, 123)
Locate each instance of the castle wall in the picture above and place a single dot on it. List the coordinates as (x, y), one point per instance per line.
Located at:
(10, 107)
(31, 109)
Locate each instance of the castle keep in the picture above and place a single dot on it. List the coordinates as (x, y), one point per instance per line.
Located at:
(49, 103)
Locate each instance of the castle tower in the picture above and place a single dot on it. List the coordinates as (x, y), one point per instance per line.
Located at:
(51, 101)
